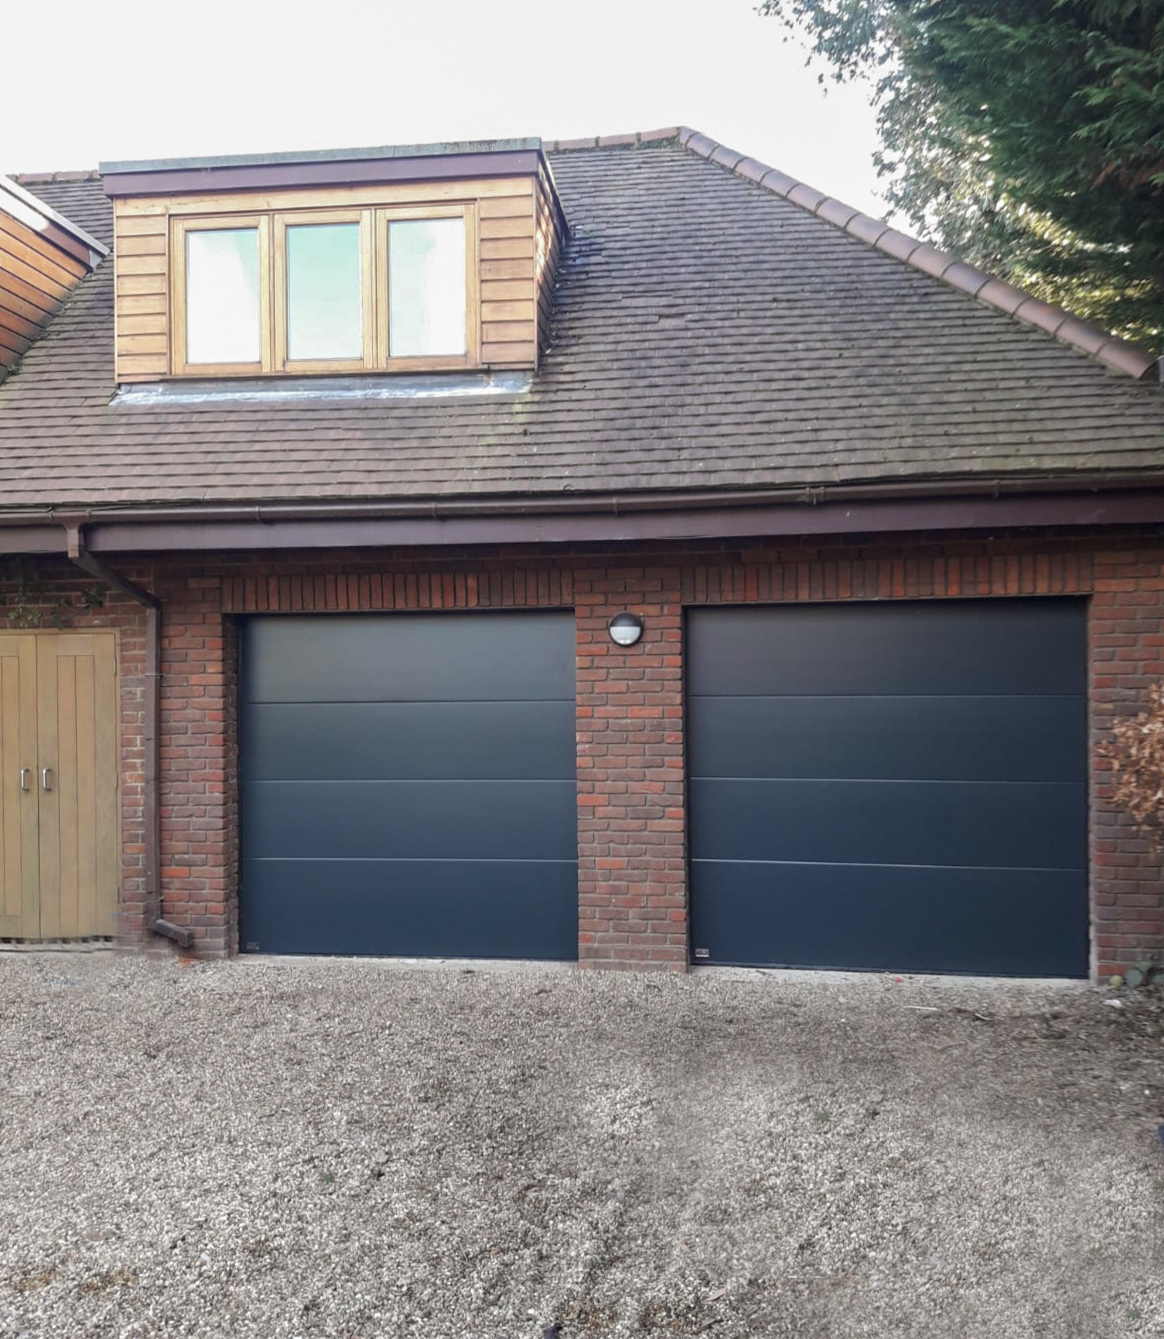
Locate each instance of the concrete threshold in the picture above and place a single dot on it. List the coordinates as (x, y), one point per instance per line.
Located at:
(834, 977)
(492, 965)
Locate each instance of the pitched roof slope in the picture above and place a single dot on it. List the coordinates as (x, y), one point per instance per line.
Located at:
(78, 196)
(1116, 353)
(707, 334)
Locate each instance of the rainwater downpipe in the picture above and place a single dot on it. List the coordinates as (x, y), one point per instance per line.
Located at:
(151, 712)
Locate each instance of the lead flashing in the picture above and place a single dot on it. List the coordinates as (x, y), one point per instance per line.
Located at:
(299, 390)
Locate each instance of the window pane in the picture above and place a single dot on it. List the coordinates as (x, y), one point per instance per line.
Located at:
(324, 314)
(222, 296)
(426, 287)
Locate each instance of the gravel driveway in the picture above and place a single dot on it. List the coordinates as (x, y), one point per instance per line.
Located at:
(347, 1149)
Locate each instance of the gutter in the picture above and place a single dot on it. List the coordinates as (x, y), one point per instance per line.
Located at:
(151, 710)
(787, 513)
(613, 504)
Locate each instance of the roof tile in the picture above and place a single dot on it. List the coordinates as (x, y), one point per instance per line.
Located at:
(1042, 314)
(930, 260)
(807, 197)
(866, 228)
(1124, 357)
(751, 169)
(700, 144)
(966, 277)
(1004, 296)
(897, 244)
(727, 157)
(650, 136)
(779, 182)
(835, 212)
(1082, 335)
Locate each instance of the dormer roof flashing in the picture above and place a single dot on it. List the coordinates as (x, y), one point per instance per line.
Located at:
(445, 161)
(326, 155)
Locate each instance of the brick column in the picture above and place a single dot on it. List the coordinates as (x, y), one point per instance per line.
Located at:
(198, 764)
(1127, 655)
(632, 855)
(131, 907)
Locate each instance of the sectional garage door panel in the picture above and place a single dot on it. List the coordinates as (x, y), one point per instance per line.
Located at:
(1025, 922)
(381, 817)
(898, 786)
(429, 741)
(1020, 738)
(423, 909)
(1022, 825)
(411, 658)
(947, 648)
(410, 820)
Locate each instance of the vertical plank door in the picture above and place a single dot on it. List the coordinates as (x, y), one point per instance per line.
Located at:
(77, 783)
(19, 875)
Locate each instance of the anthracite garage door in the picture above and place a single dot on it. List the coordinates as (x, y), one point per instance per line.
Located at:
(409, 785)
(894, 786)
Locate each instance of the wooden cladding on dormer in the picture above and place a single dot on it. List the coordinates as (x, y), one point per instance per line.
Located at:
(41, 261)
(513, 228)
(549, 237)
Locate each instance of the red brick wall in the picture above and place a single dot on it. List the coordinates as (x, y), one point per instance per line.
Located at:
(632, 838)
(1126, 635)
(199, 764)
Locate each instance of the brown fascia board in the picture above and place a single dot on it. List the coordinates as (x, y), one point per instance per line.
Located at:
(790, 514)
(347, 168)
(1117, 354)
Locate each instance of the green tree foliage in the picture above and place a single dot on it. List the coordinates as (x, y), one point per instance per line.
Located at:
(1026, 136)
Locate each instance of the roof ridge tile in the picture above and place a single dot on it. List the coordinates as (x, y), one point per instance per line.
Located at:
(612, 141)
(1118, 354)
(51, 178)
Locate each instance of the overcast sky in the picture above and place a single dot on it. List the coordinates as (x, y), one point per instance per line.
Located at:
(163, 80)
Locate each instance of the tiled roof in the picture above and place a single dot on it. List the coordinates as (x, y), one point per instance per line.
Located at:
(1115, 353)
(76, 195)
(708, 333)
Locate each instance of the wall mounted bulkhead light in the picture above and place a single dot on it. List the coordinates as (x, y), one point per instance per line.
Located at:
(625, 629)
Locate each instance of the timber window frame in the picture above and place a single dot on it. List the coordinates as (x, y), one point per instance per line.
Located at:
(281, 222)
(181, 229)
(375, 290)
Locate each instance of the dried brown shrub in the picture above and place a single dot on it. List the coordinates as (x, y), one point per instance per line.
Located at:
(1136, 754)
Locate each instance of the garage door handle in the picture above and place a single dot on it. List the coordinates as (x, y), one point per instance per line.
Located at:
(46, 774)
(24, 771)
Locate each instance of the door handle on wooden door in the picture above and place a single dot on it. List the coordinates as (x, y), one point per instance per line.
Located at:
(46, 778)
(24, 771)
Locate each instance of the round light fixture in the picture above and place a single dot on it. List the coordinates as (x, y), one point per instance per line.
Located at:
(625, 629)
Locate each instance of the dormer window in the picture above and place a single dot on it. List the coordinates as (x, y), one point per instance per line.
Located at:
(223, 296)
(367, 261)
(325, 291)
(427, 302)
(323, 271)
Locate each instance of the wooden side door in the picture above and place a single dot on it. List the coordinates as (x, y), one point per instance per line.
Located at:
(76, 781)
(19, 790)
